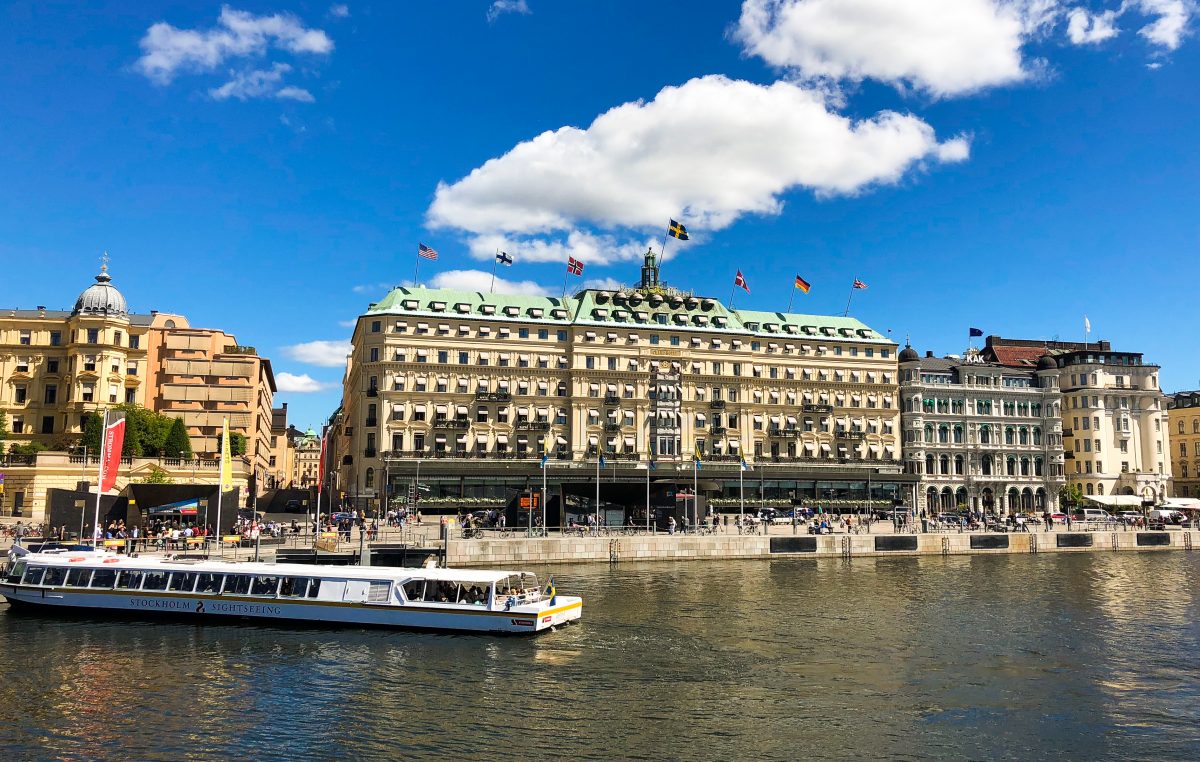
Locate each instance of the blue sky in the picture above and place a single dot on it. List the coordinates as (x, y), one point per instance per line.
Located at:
(269, 168)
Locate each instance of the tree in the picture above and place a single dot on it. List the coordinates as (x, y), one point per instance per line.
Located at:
(177, 444)
(3, 426)
(93, 429)
(237, 443)
(1070, 494)
(28, 448)
(157, 476)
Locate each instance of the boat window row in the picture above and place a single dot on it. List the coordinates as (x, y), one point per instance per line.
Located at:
(207, 583)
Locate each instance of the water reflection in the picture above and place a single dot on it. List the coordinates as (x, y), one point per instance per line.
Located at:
(1087, 656)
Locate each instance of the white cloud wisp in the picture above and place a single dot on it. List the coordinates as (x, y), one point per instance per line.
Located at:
(300, 384)
(478, 280)
(501, 7)
(706, 152)
(326, 354)
(1085, 28)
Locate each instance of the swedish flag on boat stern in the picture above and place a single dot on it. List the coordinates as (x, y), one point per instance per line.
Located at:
(549, 592)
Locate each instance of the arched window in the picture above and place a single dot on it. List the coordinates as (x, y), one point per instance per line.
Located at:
(945, 463)
(1196, 425)
(929, 432)
(369, 479)
(1037, 435)
(1024, 466)
(985, 465)
(1037, 466)
(1023, 435)
(959, 464)
(1091, 490)
(929, 469)
(958, 433)
(943, 434)
(1012, 466)
(985, 434)
(1008, 435)
(1099, 489)
(1181, 426)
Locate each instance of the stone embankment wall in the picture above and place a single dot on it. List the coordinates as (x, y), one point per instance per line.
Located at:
(662, 547)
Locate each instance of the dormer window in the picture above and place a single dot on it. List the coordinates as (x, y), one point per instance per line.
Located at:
(409, 304)
(462, 307)
(535, 312)
(511, 311)
(488, 309)
(437, 306)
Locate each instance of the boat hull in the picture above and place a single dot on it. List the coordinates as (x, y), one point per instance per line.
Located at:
(526, 619)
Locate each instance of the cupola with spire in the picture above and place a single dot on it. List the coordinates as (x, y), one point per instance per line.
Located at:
(101, 299)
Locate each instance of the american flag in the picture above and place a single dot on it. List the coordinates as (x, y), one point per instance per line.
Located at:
(741, 281)
(426, 252)
(574, 266)
(859, 284)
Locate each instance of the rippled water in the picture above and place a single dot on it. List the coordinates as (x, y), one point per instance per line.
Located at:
(1087, 656)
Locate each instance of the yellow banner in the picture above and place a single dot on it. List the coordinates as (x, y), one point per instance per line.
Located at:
(226, 465)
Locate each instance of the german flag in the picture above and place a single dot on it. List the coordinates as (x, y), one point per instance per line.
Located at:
(802, 284)
(675, 230)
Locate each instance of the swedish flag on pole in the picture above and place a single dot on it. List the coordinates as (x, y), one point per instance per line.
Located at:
(545, 451)
(696, 459)
(549, 592)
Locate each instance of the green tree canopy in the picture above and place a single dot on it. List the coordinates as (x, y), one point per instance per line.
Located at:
(3, 426)
(237, 443)
(177, 444)
(146, 433)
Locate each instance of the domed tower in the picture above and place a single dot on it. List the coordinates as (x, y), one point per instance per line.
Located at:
(1047, 371)
(101, 299)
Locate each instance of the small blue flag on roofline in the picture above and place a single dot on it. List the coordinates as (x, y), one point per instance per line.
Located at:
(975, 332)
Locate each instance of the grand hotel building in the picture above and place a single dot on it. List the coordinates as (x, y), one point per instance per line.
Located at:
(469, 388)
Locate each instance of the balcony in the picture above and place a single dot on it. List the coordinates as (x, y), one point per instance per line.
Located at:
(532, 426)
(818, 408)
(610, 427)
(776, 431)
(372, 422)
(717, 430)
(717, 405)
(493, 397)
(1068, 432)
(373, 391)
(612, 399)
(852, 435)
(369, 452)
(452, 423)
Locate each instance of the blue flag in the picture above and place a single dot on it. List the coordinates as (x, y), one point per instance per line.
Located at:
(602, 460)
(975, 332)
(745, 465)
(545, 457)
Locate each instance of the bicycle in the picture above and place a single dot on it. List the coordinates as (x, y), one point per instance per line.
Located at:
(573, 532)
(535, 532)
(470, 533)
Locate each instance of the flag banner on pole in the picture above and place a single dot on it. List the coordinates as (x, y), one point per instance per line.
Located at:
(114, 442)
(602, 461)
(226, 465)
(426, 252)
(574, 266)
(745, 465)
(802, 284)
(321, 465)
(859, 284)
(1087, 324)
(739, 280)
(504, 258)
(696, 459)
(675, 230)
(975, 332)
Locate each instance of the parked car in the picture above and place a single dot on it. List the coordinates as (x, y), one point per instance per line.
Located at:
(1092, 514)
(1129, 517)
(1058, 518)
(1167, 516)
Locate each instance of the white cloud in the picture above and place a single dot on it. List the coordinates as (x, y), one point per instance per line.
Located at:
(168, 50)
(260, 83)
(339, 11)
(1171, 20)
(348, 323)
(300, 384)
(1085, 28)
(604, 284)
(478, 280)
(500, 7)
(706, 152)
(327, 354)
(944, 47)
(373, 288)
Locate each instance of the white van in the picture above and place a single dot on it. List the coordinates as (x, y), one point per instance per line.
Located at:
(1091, 514)
(1166, 516)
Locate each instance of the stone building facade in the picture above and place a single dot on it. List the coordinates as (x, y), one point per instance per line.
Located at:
(1183, 413)
(981, 436)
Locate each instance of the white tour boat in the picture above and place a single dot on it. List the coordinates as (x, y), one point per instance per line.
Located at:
(471, 600)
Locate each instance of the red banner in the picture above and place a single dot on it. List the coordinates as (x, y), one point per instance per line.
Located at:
(114, 441)
(321, 465)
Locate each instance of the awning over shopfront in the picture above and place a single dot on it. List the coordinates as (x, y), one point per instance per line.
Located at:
(1182, 504)
(1115, 501)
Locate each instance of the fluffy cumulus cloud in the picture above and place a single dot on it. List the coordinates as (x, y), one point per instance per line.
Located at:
(501, 7)
(168, 51)
(478, 280)
(327, 354)
(943, 47)
(1086, 28)
(707, 151)
(301, 384)
(591, 248)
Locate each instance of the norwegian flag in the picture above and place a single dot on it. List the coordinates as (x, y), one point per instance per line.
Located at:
(574, 266)
(859, 284)
(739, 280)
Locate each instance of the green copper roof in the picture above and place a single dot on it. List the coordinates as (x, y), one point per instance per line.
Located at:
(629, 308)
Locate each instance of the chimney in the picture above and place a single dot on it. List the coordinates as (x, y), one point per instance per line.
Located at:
(929, 353)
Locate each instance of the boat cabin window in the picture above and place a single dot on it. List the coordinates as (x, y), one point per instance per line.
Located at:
(378, 592)
(155, 580)
(16, 572)
(78, 577)
(264, 586)
(293, 587)
(237, 584)
(54, 576)
(104, 578)
(207, 582)
(34, 575)
(447, 591)
(414, 590)
(523, 586)
(129, 580)
(182, 581)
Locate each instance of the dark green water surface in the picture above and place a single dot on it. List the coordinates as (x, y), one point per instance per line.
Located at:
(1086, 656)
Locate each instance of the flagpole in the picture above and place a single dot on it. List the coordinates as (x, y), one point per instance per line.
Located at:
(416, 268)
(695, 491)
(791, 298)
(545, 462)
(100, 484)
(732, 291)
(495, 264)
(599, 457)
(848, 298)
(742, 492)
(648, 462)
(220, 487)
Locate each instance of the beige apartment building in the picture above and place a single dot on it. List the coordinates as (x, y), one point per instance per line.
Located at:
(204, 377)
(306, 460)
(473, 387)
(1183, 412)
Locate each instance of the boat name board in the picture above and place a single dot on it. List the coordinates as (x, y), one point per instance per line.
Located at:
(206, 607)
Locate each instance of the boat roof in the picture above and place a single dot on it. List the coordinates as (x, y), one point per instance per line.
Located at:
(106, 560)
